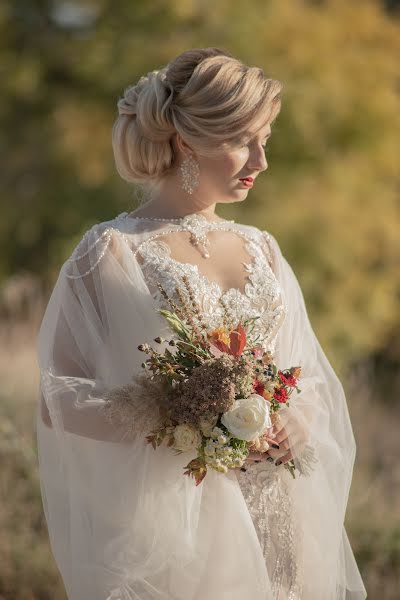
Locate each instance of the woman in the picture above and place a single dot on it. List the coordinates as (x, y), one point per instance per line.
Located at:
(124, 522)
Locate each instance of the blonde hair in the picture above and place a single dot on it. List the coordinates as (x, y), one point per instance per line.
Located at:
(206, 95)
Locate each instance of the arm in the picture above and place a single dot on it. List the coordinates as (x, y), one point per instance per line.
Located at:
(72, 342)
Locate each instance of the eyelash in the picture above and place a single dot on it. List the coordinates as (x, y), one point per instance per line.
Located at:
(265, 146)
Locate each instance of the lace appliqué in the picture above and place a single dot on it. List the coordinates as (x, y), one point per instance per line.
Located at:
(261, 296)
(271, 508)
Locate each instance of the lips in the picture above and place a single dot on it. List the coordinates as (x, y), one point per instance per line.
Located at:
(246, 182)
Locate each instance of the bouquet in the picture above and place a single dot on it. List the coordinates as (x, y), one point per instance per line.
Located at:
(214, 391)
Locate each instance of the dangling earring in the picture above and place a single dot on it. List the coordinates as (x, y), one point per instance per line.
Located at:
(190, 170)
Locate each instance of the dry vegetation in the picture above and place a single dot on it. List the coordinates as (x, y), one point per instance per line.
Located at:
(27, 568)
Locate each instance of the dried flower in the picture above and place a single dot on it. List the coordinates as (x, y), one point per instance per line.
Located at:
(207, 392)
(135, 407)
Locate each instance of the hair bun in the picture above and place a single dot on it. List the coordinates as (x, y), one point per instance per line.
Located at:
(128, 104)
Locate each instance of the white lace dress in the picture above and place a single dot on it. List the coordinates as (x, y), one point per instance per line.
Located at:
(124, 522)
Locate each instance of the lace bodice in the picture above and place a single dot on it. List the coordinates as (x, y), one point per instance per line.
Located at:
(260, 298)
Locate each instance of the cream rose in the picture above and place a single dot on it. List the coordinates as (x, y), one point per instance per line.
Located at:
(248, 418)
(207, 424)
(186, 438)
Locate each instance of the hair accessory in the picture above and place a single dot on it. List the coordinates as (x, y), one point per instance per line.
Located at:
(190, 170)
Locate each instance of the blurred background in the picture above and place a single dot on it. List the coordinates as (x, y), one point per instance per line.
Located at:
(330, 197)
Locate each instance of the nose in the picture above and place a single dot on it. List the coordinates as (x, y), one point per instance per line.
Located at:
(257, 160)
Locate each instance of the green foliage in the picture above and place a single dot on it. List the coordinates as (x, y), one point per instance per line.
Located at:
(330, 195)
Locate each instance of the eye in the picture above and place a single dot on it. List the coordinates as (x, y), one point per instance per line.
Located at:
(244, 142)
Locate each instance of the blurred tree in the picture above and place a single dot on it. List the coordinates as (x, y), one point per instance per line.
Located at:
(392, 6)
(330, 195)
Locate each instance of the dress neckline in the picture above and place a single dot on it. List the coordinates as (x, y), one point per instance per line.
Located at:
(161, 250)
(190, 218)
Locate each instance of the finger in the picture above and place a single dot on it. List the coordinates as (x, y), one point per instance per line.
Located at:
(292, 443)
(270, 432)
(283, 433)
(279, 420)
(284, 459)
(283, 446)
(273, 443)
(254, 456)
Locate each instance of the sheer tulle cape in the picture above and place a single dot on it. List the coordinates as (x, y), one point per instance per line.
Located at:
(124, 522)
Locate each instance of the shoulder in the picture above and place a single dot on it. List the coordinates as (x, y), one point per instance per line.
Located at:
(258, 233)
(264, 238)
(98, 240)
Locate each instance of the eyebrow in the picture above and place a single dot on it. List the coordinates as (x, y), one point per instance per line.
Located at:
(265, 136)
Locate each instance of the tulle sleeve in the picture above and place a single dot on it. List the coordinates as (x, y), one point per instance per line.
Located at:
(320, 411)
(84, 346)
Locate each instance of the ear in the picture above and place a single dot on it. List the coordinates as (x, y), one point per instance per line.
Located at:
(181, 145)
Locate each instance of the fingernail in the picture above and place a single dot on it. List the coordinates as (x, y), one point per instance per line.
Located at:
(275, 446)
(278, 462)
(270, 459)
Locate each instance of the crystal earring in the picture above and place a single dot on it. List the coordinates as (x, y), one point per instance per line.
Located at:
(190, 170)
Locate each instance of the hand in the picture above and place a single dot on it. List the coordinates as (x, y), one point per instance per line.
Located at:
(289, 424)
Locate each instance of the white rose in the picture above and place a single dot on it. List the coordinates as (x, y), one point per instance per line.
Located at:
(248, 418)
(186, 438)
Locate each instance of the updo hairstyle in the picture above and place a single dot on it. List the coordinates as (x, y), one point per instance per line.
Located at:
(206, 95)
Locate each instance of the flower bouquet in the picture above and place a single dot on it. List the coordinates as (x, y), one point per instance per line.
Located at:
(215, 391)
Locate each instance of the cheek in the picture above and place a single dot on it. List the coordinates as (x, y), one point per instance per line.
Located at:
(233, 162)
(225, 167)
(241, 156)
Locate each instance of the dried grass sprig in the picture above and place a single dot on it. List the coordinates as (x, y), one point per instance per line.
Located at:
(136, 407)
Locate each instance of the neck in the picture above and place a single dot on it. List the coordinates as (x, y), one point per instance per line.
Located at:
(170, 202)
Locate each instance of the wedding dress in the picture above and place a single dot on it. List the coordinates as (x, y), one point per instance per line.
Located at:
(124, 522)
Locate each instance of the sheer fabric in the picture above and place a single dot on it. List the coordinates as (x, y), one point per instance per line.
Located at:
(124, 523)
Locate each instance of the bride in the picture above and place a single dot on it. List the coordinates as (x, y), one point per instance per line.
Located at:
(124, 522)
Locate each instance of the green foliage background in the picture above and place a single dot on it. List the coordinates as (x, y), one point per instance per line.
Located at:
(331, 192)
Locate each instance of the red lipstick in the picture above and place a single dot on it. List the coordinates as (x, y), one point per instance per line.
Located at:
(247, 181)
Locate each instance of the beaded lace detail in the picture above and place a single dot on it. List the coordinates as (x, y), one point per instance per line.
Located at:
(261, 296)
(265, 489)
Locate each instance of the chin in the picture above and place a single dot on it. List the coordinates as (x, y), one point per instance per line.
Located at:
(241, 193)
